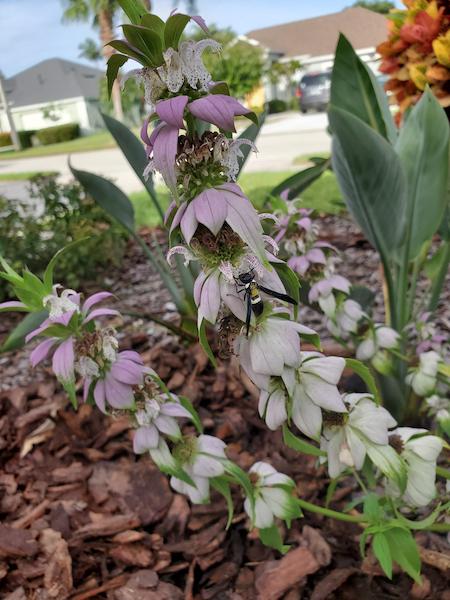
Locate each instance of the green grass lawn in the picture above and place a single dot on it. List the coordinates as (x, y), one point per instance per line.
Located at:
(25, 176)
(96, 141)
(323, 195)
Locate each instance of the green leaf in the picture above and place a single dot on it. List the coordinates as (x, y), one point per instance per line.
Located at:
(372, 180)
(437, 262)
(241, 478)
(290, 282)
(250, 133)
(223, 487)
(389, 463)
(271, 537)
(382, 552)
(372, 508)
(108, 196)
(194, 414)
(299, 182)
(16, 338)
(354, 88)
(134, 152)
(330, 491)
(69, 387)
(125, 48)
(178, 472)
(423, 148)
(363, 295)
(147, 41)
(404, 551)
(364, 372)
(154, 23)
(175, 25)
(203, 339)
(134, 9)
(114, 63)
(294, 442)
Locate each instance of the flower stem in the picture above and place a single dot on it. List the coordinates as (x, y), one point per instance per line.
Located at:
(445, 473)
(328, 512)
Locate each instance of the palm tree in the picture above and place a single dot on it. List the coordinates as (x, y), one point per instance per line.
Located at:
(101, 13)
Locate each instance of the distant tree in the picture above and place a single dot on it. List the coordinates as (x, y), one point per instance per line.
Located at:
(90, 50)
(375, 5)
(283, 71)
(101, 13)
(240, 63)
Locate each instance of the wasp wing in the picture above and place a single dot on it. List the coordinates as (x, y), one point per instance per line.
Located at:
(277, 295)
(249, 313)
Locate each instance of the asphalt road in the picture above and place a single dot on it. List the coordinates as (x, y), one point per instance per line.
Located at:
(282, 138)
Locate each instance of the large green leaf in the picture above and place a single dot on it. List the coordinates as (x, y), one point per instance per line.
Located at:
(114, 63)
(16, 338)
(147, 41)
(134, 152)
(125, 48)
(354, 88)
(372, 180)
(175, 26)
(108, 196)
(250, 133)
(299, 182)
(134, 9)
(423, 146)
(404, 551)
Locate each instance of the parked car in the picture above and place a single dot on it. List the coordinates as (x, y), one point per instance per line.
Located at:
(313, 91)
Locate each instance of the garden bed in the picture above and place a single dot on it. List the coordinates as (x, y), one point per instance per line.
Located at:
(83, 517)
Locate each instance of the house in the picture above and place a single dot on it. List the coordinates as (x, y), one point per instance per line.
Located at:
(313, 41)
(53, 92)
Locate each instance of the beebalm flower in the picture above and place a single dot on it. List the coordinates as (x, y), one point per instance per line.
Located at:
(216, 206)
(378, 338)
(419, 451)
(157, 416)
(273, 495)
(63, 351)
(201, 458)
(423, 379)
(306, 390)
(346, 319)
(322, 292)
(347, 437)
(57, 305)
(273, 344)
(228, 152)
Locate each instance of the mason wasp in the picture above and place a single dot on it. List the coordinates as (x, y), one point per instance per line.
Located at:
(253, 298)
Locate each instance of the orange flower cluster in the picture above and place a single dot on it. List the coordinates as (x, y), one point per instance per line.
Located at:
(417, 52)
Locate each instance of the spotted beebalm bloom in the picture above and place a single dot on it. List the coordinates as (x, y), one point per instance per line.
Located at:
(347, 437)
(157, 416)
(423, 379)
(346, 319)
(215, 206)
(57, 305)
(322, 292)
(273, 344)
(306, 391)
(378, 338)
(65, 307)
(201, 458)
(273, 496)
(419, 451)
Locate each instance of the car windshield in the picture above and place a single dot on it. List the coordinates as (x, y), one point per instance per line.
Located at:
(321, 79)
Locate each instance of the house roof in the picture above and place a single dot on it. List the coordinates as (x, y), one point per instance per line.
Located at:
(318, 36)
(52, 80)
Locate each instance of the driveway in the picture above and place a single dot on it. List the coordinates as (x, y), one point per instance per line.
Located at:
(283, 137)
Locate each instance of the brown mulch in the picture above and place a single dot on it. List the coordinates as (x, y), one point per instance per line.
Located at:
(83, 517)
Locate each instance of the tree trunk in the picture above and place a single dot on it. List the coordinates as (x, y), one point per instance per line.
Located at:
(105, 22)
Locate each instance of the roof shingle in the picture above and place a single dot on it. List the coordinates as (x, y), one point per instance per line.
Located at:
(318, 36)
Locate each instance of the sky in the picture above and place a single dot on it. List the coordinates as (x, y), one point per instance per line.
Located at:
(31, 30)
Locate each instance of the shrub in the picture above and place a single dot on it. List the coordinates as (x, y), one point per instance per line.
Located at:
(5, 139)
(276, 106)
(32, 231)
(57, 134)
(25, 138)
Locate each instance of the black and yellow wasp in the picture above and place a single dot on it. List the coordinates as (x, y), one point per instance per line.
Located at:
(253, 298)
